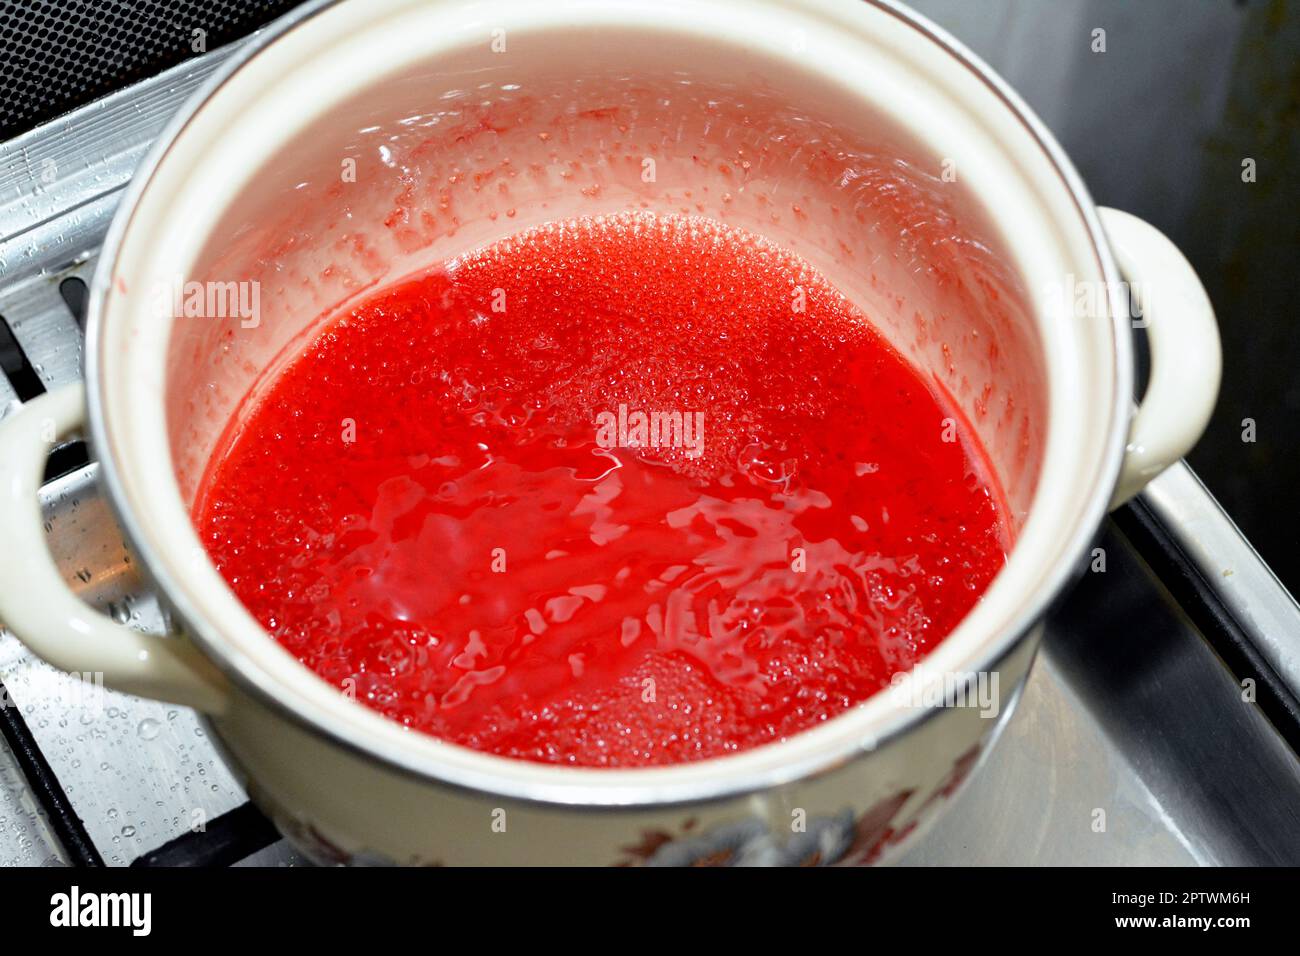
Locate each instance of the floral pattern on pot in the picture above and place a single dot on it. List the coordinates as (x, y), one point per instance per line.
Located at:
(839, 839)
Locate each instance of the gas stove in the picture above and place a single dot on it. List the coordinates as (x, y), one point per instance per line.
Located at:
(1164, 695)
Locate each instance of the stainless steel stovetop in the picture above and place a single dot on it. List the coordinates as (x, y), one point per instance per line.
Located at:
(1135, 706)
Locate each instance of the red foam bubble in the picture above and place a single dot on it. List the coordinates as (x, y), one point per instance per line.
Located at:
(423, 509)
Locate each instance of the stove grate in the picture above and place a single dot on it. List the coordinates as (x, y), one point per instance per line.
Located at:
(230, 838)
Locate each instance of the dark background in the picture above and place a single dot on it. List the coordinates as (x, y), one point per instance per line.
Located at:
(1158, 125)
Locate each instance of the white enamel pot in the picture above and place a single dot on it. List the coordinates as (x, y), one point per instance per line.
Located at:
(354, 141)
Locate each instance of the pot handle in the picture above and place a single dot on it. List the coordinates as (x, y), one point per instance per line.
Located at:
(39, 607)
(1186, 360)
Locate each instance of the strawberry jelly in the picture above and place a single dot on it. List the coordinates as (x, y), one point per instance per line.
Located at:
(444, 506)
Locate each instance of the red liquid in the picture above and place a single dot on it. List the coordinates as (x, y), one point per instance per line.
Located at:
(646, 606)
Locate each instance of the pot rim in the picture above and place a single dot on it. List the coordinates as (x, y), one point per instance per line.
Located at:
(637, 787)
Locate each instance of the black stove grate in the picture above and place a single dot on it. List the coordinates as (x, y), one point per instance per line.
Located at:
(231, 837)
